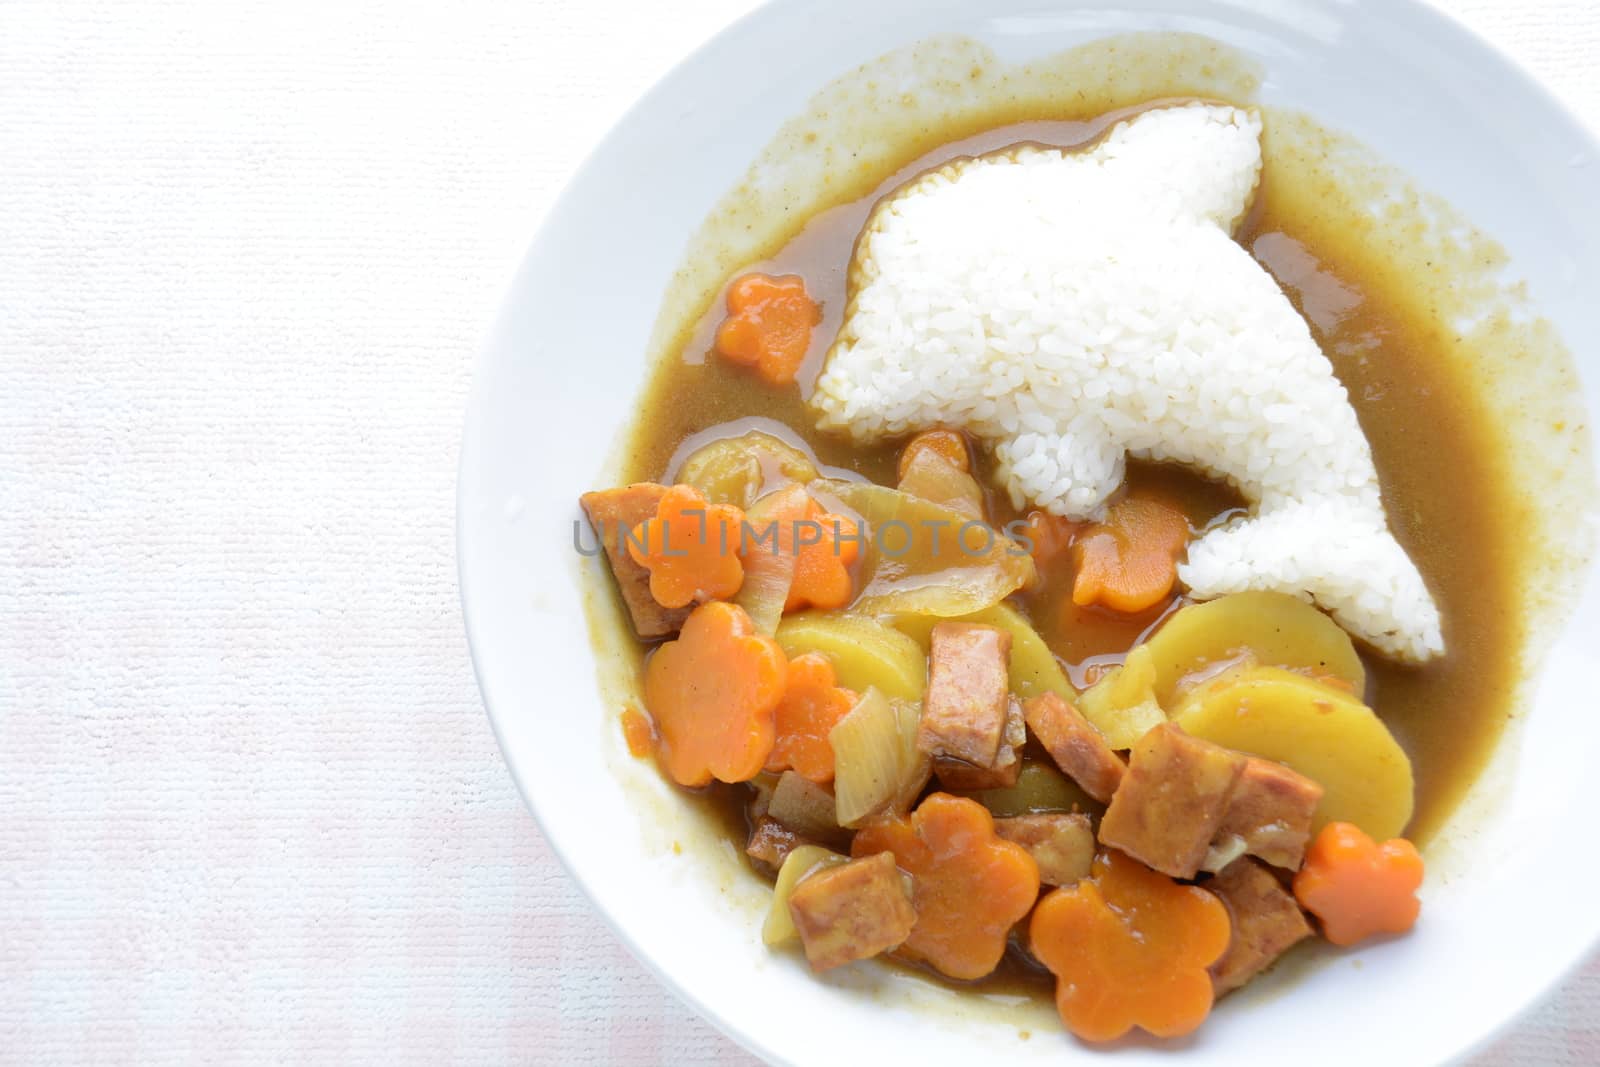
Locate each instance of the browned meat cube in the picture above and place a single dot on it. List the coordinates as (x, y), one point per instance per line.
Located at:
(614, 513)
(771, 842)
(964, 711)
(966, 777)
(1075, 745)
(852, 911)
(1170, 803)
(1062, 845)
(1266, 922)
(1271, 809)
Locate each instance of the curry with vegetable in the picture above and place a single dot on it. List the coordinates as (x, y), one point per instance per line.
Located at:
(991, 730)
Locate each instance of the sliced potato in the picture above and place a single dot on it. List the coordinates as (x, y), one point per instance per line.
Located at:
(1034, 669)
(1278, 629)
(866, 654)
(804, 860)
(1122, 705)
(1322, 732)
(735, 470)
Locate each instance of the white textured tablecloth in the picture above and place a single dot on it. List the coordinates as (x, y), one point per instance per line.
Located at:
(250, 807)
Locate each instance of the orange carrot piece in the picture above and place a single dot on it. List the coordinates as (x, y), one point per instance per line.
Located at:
(714, 694)
(1130, 947)
(822, 567)
(768, 326)
(812, 705)
(968, 886)
(690, 548)
(770, 554)
(1050, 536)
(1129, 560)
(947, 443)
(1357, 887)
(638, 732)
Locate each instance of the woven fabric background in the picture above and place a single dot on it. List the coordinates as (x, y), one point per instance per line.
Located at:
(250, 806)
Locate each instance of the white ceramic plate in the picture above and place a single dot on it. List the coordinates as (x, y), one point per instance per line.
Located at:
(560, 375)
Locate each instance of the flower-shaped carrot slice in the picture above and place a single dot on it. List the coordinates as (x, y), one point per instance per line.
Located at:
(812, 705)
(968, 886)
(1357, 887)
(769, 325)
(822, 567)
(1129, 560)
(714, 695)
(1050, 535)
(1130, 947)
(947, 443)
(690, 548)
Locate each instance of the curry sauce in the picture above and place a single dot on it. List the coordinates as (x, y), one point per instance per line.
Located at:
(1445, 492)
(1447, 497)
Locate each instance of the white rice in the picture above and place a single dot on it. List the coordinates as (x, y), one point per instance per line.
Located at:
(1072, 308)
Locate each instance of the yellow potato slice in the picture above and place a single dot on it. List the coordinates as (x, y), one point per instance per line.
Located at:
(1278, 629)
(1325, 734)
(1122, 704)
(865, 653)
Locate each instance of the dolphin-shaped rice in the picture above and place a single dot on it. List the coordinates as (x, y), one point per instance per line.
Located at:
(1072, 308)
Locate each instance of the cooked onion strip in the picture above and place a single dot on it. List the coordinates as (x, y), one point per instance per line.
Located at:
(770, 554)
(877, 766)
(923, 558)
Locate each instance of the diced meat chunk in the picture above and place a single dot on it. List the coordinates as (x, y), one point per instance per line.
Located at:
(1266, 922)
(966, 777)
(614, 513)
(1061, 844)
(964, 710)
(771, 842)
(852, 911)
(1076, 746)
(1171, 801)
(1271, 809)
